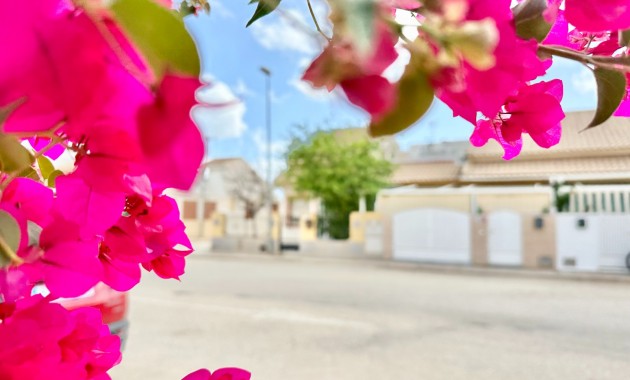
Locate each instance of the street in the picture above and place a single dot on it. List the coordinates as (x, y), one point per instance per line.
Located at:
(327, 320)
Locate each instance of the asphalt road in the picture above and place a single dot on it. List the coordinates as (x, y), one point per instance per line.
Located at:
(314, 320)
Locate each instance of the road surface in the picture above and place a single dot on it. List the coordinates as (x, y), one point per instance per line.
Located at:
(326, 320)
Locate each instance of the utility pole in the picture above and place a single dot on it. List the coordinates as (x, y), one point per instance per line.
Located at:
(269, 180)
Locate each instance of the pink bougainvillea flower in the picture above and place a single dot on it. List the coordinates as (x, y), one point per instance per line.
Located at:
(172, 145)
(598, 15)
(165, 238)
(488, 129)
(219, 374)
(35, 65)
(559, 34)
(360, 78)
(95, 211)
(535, 110)
(14, 284)
(402, 4)
(27, 201)
(624, 108)
(30, 197)
(118, 274)
(68, 264)
(42, 340)
(90, 344)
(118, 127)
(468, 90)
(170, 264)
(151, 143)
(151, 235)
(121, 252)
(606, 44)
(28, 341)
(108, 152)
(38, 143)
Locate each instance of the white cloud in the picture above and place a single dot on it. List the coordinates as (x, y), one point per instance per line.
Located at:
(223, 121)
(241, 89)
(584, 82)
(288, 31)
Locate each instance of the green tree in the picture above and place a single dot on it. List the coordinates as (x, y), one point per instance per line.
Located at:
(339, 171)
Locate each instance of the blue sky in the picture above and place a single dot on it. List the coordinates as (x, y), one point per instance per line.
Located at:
(285, 42)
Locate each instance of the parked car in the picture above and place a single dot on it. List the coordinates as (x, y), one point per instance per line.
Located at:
(112, 304)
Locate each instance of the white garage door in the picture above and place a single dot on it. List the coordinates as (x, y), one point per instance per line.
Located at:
(505, 238)
(592, 242)
(432, 235)
(614, 242)
(577, 241)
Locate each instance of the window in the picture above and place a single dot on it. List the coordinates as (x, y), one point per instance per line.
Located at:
(208, 210)
(190, 210)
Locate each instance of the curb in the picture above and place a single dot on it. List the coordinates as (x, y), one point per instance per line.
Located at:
(423, 267)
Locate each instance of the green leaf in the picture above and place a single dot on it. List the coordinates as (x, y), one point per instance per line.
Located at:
(415, 96)
(263, 9)
(160, 35)
(624, 38)
(29, 172)
(611, 89)
(45, 166)
(13, 156)
(186, 9)
(10, 235)
(52, 177)
(529, 20)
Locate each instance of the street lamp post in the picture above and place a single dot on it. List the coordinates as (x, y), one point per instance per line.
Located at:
(270, 243)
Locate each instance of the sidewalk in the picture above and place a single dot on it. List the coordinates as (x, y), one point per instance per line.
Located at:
(421, 267)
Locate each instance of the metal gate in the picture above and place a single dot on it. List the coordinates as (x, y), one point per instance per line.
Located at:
(505, 238)
(577, 241)
(432, 235)
(614, 243)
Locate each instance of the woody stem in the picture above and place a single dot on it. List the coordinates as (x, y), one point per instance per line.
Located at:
(319, 29)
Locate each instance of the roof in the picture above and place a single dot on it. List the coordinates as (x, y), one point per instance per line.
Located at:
(426, 173)
(232, 169)
(596, 154)
(219, 162)
(579, 169)
(600, 154)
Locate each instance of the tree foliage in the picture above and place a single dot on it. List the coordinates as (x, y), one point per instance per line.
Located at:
(338, 172)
